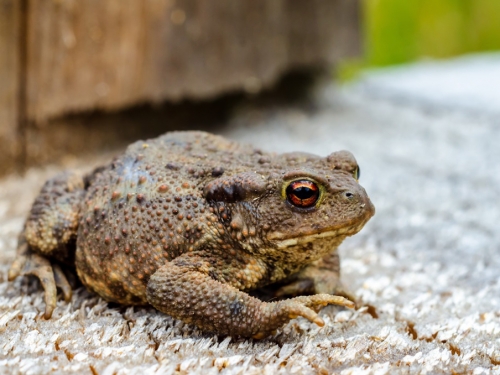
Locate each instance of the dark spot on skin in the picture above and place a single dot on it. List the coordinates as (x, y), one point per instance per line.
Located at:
(217, 172)
(173, 166)
(236, 308)
(235, 188)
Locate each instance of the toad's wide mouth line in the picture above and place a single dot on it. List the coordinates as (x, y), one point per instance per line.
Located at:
(283, 241)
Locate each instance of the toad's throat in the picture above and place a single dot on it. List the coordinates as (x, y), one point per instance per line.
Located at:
(283, 241)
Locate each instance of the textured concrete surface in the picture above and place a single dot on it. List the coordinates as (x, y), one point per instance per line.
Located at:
(426, 267)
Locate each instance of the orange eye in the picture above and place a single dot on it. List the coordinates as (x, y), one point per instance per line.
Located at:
(302, 193)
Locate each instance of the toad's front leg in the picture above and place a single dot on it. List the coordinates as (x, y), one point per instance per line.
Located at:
(190, 289)
(322, 276)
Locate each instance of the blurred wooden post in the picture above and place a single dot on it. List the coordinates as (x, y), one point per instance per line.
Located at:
(108, 55)
(10, 44)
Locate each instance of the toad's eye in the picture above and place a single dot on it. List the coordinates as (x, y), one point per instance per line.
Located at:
(302, 193)
(356, 173)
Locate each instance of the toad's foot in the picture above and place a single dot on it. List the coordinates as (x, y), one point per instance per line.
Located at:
(51, 276)
(304, 306)
(330, 284)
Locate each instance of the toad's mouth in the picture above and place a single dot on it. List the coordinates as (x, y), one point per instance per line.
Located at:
(286, 240)
(305, 234)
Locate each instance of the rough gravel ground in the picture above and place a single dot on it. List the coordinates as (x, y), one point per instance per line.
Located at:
(426, 267)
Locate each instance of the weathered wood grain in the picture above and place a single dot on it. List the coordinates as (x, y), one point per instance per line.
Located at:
(59, 58)
(10, 18)
(94, 54)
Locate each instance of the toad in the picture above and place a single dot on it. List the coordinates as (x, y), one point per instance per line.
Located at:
(190, 222)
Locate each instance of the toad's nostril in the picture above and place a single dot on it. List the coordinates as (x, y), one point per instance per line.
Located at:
(349, 195)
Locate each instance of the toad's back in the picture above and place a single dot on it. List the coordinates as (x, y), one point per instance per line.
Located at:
(147, 207)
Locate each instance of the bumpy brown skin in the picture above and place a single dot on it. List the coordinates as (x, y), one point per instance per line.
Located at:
(188, 222)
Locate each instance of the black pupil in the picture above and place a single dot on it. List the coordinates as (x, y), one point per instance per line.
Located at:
(303, 192)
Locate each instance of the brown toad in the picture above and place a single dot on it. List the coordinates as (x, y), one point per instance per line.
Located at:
(190, 221)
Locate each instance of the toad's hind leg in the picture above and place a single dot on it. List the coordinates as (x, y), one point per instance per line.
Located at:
(49, 236)
(186, 289)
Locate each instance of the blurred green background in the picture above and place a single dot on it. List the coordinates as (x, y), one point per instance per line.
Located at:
(399, 31)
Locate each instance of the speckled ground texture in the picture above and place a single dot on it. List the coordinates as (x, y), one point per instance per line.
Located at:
(426, 267)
